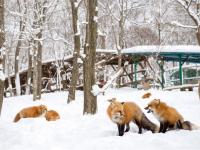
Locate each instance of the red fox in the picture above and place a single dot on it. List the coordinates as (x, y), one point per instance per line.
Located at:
(122, 113)
(52, 115)
(31, 112)
(146, 95)
(168, 117)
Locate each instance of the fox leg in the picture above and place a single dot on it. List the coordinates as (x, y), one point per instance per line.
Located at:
(139, 126)
(161, 127)
(121, 129)
(165, 127)
(127, 127)
(179, 125)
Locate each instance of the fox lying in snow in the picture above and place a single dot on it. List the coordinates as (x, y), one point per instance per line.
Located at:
(122, 113)
(52, 115)
(146, 95)
(168, 116)
(31, 112)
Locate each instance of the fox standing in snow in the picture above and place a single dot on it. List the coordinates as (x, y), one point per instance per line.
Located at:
(168, 117)
(31, 112)
(122, 113)
(52, 115)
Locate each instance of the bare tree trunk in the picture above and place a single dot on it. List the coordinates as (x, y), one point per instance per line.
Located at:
(198, 27)
(2, 40)
(8, 74)
(35, 74)
(29, 73)
(198, 35)
(39, 67)
(19, 44)
(121, 39)
(37, 71)
(103, 41)
(90, 101)
(75, 71)
(2, 79)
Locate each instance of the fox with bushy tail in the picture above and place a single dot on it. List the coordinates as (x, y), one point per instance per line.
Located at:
(122, 113)
(31, 112)
(168, 117)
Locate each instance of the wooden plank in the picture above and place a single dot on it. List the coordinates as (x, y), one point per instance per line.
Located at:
(184, 86)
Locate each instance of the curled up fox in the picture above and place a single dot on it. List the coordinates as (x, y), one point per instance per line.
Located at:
(122, 113)
(31, 112)
(168, 117)
(37, 111)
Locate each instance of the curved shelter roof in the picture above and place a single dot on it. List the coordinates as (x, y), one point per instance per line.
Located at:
(188, 53)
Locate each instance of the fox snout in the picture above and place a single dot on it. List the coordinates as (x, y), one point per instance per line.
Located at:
(117, 118)
(148, 109)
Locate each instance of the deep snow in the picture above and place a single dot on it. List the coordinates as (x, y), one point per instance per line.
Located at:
(95, 132)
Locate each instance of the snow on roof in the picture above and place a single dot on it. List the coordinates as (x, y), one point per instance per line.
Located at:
(163, 49)
(106, 51)
(156, 49)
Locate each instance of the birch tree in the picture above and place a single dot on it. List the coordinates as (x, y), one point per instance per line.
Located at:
(29, 73)
(2, 52)
(90, 101)
(19, 44)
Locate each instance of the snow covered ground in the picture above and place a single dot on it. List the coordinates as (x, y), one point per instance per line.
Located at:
(95, 132)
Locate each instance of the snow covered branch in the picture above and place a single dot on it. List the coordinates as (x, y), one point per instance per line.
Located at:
(78, 3)
(187, 5)
(96, 90)
(2, 76)
(175, 23)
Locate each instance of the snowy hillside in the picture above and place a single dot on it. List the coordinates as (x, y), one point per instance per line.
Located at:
(77, 132)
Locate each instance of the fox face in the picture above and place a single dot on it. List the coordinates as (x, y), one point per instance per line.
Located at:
(43, 108)
(122, 113)
(116, 111)
(152, 106)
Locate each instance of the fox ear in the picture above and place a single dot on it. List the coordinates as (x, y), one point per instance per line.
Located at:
(112, 100)
(158, 101)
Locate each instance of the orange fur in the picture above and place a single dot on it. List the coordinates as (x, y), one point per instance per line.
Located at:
(169, 117)
(164, 113)
(130, 111)
(31, 112)
(52, 115)
(122, 113)
(146, 95)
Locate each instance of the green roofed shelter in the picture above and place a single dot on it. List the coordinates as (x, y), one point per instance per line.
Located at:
(175, 53)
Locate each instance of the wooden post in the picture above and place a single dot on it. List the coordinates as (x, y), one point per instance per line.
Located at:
(135, 70)
(161, 66)
(180, 71)
(162, 74)
(199, 89)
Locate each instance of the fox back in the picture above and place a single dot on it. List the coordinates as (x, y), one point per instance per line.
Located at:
(31, 112)
(163, 112)
(52, 115)
(146, 95)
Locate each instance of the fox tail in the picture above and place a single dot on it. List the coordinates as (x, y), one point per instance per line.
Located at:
(17, 117)
(187, 125)
(147, 124)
